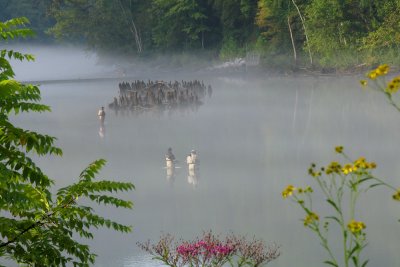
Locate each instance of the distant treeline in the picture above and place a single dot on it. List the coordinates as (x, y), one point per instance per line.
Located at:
(322, 33)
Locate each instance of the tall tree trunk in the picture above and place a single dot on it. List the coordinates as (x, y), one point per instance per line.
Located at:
(132, 28)
(305, 30)
(291, 38)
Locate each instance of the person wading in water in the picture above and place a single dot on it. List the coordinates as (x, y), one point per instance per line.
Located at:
(101, 114)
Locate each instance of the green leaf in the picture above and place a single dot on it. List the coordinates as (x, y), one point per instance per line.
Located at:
(334, 218)
(333, 204)
(365, 263)
(356, 248)
(355, 260)
(364, 180)
(374, 185)
(8, 87)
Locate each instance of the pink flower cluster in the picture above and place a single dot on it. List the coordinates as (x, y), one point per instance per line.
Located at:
(208, 249)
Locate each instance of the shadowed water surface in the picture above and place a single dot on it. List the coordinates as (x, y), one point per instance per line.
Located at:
(253, 137)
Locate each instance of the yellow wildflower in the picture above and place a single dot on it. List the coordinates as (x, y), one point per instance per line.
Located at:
(348, 168)
(356, 227)
(396, 80)
(396, 196)
(314, 173)
(392, 87)
(311, 218)
(361, 163)
(372, 75)
(339, 149)
(308, 189)
(372, 165)
(288, 191)
(363, 82)
(382, 70)
(333, 167)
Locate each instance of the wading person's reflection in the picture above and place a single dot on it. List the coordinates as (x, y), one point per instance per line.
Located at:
(171, 174)
(193, 176)
(102, 115)
(102, 130)
(193, 168)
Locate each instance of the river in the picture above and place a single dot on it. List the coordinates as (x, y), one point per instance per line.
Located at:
(254, 136)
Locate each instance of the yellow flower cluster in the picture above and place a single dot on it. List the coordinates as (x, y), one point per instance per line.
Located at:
(348, 168)
(361, 163)
(379, 71)
(311, 218)
(356, 227)
(312, 172)
(396, 196)
(308, 189)
(339, 149)
(393, 86)
(333, 167)
(288, 191)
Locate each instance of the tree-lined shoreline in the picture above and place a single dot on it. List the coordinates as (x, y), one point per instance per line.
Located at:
(328, 36)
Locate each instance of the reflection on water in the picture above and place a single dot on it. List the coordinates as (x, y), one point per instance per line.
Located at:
(193, 175)
(254, 137)
(101, 114)
(102, 130)
(193, 168)
(170, 174)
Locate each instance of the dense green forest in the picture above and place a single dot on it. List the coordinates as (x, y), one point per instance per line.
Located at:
(321, 33)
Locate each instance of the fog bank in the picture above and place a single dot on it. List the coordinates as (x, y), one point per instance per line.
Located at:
(59, 63)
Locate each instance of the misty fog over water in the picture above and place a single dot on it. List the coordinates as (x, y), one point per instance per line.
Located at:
(59, 63)
(254, 136)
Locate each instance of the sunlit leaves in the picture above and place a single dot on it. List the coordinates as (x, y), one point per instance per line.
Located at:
(14, 28)
(11, 54)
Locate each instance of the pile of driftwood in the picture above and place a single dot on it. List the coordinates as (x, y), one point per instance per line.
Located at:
(159, 94)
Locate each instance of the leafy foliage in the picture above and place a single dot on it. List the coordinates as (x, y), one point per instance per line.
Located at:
(35, 11)
(35, 226)
(178, 22)
(336, 33)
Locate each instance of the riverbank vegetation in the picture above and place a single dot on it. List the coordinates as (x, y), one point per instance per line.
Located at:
(314, 34)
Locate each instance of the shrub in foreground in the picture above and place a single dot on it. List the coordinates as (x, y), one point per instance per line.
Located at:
(211, 251)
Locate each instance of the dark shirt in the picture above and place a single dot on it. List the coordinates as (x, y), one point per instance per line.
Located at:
(170, 156)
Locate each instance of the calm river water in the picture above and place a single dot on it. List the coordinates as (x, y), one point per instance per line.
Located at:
(254, 136)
